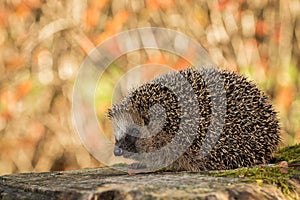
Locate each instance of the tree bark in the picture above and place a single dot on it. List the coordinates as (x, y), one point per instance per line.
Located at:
(108, 183)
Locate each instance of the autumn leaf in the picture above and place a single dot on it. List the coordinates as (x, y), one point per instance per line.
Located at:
(221, 5)
(4, 13)
(103, 36)
(160, 59)
(113, 26)
(24, 88)
(181, 63)
(23, 10)
(7, 115)
(15, 61)
(33, 3)
(92, 13)
(277, 36)
(261, 29)
(98, 4)
(285, 97)
(91, 17)
(8, 100)
(156, 4)
(8, 97)
(118, 21)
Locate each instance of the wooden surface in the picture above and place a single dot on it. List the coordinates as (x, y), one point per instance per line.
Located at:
(107, 183)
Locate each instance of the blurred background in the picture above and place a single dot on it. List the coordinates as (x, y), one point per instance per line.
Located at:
(43, 42)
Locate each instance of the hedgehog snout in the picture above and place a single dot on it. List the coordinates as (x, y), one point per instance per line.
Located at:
(118, 151)
(125, 146)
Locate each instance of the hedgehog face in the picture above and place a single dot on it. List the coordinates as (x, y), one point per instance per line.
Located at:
(127, 145)
(135, 131)
(128, 135)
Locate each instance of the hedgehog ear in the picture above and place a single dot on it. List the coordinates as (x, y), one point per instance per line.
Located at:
(135, 132)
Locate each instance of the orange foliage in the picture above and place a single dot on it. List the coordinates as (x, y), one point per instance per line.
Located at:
(103, 36)
(15, 61)
(232, 67)
(23, 10)
(8, 99)
(157, 60)
(24, 88)
(3, 17)
(221, 5)
(149, 71)
(33, 3)
(285, 97)
(93, 11)
(98, 4)
(7, 115)
(91, 17)
(276, 37)
(181, 63)
(113, 26)
(261, 29)
(118, 21)
(156, 4)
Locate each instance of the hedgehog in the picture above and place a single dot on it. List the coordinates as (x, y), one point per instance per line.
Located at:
(195, 120)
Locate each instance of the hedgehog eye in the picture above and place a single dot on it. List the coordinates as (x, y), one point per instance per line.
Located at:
(129, 140)
(134, 132)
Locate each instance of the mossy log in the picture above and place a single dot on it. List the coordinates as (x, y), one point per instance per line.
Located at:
(108, 183)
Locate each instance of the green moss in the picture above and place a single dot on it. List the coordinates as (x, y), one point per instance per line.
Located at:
(119, 165)
(291, 154)
(270, 175)
(275, 175)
